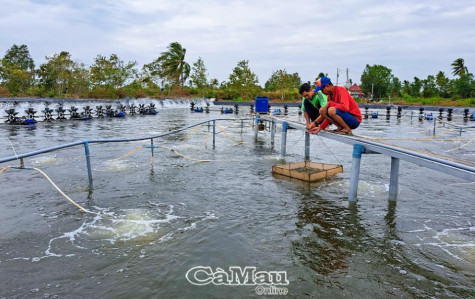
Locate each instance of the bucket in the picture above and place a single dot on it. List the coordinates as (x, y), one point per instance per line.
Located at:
(262, 104)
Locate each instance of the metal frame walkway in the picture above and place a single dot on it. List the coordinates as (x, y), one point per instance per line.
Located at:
(364, 146)
(360, 146)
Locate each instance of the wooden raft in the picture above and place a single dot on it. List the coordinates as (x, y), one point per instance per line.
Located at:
(307, 171)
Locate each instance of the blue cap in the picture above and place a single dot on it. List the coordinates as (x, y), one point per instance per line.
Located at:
(321, 82)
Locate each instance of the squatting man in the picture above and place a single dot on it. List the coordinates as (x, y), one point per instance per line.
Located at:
(341, 109)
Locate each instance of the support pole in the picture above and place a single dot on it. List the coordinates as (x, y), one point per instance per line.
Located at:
(272, 133)
(88, 163)
(256, 126)
(151, 145)
(393, 179)
(283, 144)
(358, 149)
(307, 146)
(214, 133)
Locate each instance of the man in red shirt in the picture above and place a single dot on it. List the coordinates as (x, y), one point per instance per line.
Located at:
(341, 109)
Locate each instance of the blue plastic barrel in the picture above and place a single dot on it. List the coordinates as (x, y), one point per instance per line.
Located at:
(262, 104)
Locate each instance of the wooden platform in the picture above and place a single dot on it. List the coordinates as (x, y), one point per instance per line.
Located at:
(307, 171)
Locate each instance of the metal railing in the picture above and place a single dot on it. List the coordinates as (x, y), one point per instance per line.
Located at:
(364, 146)
(85, 143)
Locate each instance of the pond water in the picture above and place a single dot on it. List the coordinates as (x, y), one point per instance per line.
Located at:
(153, 221)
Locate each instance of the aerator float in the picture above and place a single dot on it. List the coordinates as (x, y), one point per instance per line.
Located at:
(13, 119)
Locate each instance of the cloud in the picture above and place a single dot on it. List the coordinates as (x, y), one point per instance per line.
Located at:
(411, 38)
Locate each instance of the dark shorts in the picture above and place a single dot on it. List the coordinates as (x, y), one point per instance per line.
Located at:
(348, 118)
(312, 111)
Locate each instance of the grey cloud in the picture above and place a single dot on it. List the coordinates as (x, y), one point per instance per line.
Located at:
(412, 38)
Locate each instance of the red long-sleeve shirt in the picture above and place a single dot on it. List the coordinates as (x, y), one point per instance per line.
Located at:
(342, 100)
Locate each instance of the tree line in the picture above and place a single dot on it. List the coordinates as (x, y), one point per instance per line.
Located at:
(170, 75)
(381, 83)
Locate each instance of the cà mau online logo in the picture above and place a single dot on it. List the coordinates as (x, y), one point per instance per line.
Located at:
(201, 275)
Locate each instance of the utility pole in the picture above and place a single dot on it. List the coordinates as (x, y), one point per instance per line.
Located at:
(347, 82)
(372, 85)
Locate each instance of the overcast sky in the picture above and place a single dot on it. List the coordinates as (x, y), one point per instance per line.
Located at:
(412, 38)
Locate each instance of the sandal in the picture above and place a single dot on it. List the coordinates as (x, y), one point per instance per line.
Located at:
(344, 133)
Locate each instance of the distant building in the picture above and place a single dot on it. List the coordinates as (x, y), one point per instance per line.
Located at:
(355, 91)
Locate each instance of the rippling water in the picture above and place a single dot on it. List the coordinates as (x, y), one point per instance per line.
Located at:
(151, 223)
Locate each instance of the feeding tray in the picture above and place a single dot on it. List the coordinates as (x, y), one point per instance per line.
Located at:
(307, 171)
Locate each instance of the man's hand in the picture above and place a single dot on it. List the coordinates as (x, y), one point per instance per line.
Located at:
(314, 130)
(311, 125)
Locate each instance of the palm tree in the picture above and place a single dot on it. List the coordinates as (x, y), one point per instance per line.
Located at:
(459, 68)
(173, 64)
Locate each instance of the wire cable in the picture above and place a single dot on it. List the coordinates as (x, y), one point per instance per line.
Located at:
(192, 133)
(298, 140)
(207, 138)
(81, 209)
(5, 168)
(128, 154)
(321, 139)
(226, 134)
(181, 155)
(16, 155)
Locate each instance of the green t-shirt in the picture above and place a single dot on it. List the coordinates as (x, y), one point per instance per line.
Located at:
(318, 97)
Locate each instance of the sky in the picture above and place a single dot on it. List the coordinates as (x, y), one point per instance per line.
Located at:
(412, 38)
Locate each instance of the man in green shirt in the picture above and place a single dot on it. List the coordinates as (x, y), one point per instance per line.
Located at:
(311, 103)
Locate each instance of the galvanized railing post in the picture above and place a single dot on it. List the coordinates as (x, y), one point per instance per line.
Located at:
(393, 179)
(283, 144)
(272, 133)
(256, 126)
(358, 149)
(214, 133)
(88, 163)
(307, 146)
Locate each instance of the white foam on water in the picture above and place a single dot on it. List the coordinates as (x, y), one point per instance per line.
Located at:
(188, 147)
(46, 160)
(210, 216)
(458, 243)
(105, 227)
(165, 238)
(117, 166)
(365, 189)
(131, 225)
(190, 227)
(370, 187)
(275, 158)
